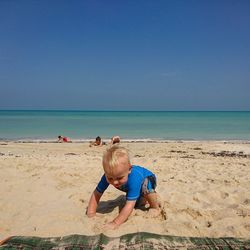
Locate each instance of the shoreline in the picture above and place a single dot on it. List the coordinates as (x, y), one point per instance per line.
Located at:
(246, 141)
(203, 186)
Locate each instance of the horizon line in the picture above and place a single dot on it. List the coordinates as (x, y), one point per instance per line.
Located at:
(110, 110)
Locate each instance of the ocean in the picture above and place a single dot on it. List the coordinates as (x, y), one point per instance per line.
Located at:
(129, 125)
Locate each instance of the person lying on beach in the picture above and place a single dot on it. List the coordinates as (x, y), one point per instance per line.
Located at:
(139, 184)
(98, 142)
(115, 139)
(63, 139)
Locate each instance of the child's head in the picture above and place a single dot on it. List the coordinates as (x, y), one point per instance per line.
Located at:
(116, 165)
(98, 140)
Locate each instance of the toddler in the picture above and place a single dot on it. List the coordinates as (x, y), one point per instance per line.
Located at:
(136, 181)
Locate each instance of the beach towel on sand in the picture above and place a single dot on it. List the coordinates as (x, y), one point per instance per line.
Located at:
(129, 241)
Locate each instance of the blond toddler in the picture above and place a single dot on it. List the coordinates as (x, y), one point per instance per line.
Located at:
(136, 181)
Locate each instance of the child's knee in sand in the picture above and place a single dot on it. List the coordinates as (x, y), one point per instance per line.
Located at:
(152, 200)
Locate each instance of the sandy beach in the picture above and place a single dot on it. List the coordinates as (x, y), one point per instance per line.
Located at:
(204, 188)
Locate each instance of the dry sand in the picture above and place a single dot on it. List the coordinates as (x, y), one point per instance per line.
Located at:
(45, 189)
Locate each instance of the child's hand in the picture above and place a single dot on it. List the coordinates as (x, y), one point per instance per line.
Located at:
(111, 225)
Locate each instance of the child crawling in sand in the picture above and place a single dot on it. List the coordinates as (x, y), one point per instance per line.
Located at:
(138, 183)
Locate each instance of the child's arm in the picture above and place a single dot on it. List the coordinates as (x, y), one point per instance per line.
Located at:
(93, 202)
(123, 215)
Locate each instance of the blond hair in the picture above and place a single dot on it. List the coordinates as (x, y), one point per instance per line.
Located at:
(112, 155)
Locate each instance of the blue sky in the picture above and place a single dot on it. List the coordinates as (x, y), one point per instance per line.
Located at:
(125, 55)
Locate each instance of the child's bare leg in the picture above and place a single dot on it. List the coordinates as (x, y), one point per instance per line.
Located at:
(152, 200)
(154, 205)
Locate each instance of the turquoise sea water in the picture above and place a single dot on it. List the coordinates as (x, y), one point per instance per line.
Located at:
(85, 125)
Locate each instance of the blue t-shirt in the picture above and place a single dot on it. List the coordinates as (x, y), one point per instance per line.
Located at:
(134, 184)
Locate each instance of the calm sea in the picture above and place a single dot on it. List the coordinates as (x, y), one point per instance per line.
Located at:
(85, 125)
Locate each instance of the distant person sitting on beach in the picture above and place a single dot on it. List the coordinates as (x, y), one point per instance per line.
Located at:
(63, 139)
(115, 139)
(98, 142)
(139, 184)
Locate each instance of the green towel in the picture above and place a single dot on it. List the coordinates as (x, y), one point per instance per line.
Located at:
(129, 241)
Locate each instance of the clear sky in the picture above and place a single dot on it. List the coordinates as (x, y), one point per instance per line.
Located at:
(125, 55)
